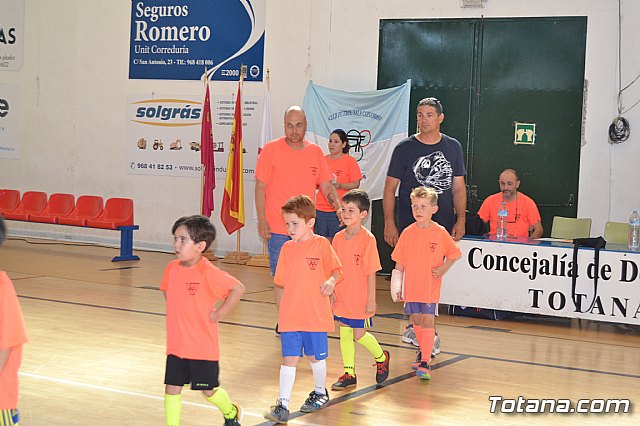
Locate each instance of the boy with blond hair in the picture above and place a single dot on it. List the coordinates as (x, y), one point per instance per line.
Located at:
(308, 270)
(424, 253)
(192, 286)
(355, 298)
(13, 335)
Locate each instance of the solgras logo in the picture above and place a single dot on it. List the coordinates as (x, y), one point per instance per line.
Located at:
(168, 112)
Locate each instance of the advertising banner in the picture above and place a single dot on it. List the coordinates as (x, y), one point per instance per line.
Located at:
(11, 34)
(164, 132)
(9, 121)
(178, 39)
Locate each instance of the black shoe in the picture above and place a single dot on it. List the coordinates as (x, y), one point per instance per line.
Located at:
(382, 368)
(237, 419)
(278, 413)
(346, 381)
(315, 401)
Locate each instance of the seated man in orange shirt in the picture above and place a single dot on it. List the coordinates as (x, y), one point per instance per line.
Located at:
(523, 219)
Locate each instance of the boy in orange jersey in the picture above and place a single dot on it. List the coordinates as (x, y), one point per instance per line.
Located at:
(192, 286)
(13, 335)
(308, 270)
(355, 298)
(424, 253)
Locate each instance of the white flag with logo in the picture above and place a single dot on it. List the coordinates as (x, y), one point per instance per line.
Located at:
(374, 122)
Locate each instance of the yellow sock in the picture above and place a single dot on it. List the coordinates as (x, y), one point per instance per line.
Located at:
(172, 409)
(220, 399)
(372, 345)
(348, 349)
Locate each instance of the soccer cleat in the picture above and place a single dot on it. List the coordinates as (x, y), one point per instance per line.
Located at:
(416, 363)
(436, 346)
(409, 336)
(382, 368)
(424, 371)
(346, 381)
(314, 402)
(278, 413)
(237, 419)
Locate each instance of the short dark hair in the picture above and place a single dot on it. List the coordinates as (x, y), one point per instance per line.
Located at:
(198, 227)
(358, 197)
(3, 230)
(434, 102)
(301, 205)
(344, 138)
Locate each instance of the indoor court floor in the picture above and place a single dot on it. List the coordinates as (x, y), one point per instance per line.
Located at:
(97, 351)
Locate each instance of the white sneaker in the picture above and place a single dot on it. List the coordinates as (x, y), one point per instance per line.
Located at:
(409, 336)
(436, 346)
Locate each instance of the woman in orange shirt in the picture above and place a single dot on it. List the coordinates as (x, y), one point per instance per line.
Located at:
(346, 176)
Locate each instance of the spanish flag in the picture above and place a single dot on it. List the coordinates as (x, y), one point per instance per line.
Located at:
(232, 212)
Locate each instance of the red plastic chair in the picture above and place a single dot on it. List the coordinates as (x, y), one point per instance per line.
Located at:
(87, 207)
(32, 202)
(9, 200)
(59, 205)
(117, 212)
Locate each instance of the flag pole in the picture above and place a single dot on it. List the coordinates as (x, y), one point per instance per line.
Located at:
(238, 257)
(262, 260)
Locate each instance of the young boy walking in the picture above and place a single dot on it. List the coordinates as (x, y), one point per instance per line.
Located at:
(355, 298)
(192, 286)
(13, 335)
(424, 253)
(308, 270)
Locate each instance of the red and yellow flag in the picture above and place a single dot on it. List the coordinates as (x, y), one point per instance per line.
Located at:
(232, 212)
(206, 156)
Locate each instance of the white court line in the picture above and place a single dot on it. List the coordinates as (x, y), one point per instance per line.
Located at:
(141, 395)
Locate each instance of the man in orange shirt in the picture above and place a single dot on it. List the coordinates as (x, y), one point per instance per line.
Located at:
(308, 270)
(424, 253)
(192, 286)
(287, 167)
(523, 219)
(13, 335)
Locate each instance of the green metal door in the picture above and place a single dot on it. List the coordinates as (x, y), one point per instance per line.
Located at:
(491, 74)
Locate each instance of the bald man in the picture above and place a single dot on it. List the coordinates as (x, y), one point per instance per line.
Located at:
(523, 219)
(286, 167)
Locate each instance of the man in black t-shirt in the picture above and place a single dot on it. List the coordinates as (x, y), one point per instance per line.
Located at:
(434, 160)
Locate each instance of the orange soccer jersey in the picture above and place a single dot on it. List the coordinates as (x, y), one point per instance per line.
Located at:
(359, 258)
(192, 293)
(420, 250)
(302, 268)
(13, 335)
(288, 172)
(346, 170)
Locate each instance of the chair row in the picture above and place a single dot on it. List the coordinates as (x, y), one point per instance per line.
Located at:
(63, 209)
(571, 227)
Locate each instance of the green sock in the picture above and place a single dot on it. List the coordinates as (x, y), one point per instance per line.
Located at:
(348, 349)
(220, 399)
(172, 409)
(372, 345)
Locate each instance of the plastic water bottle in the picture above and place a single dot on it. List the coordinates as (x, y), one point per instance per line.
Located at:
(501, 229)
(634, 231)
